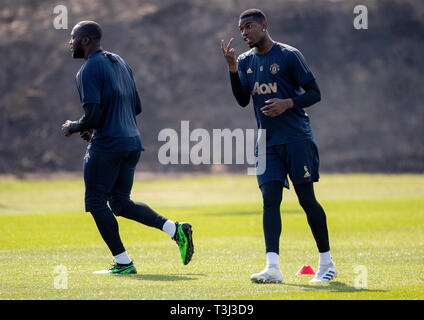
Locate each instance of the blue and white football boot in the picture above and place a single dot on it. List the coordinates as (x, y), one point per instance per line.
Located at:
(325, 273)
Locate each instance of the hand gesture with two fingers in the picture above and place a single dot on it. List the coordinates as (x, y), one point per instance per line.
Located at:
(229, 55)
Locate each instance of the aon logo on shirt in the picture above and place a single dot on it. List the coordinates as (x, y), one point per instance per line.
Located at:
(264, 88)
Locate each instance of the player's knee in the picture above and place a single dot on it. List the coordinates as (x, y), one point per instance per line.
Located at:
(118, 205)
(271, 194)
(95, 204)
(306, 196)
(307, 201)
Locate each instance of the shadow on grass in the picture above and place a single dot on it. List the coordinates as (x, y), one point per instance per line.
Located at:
(335, 286)
(163, 277)
(245, 212)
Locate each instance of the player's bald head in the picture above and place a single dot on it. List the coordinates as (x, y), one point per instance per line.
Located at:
(85, 39)
(90, 29)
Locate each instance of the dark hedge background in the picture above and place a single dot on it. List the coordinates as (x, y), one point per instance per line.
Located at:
(370, 118)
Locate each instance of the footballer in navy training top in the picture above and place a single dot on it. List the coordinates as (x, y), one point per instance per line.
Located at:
(110, 101)
(281, 84)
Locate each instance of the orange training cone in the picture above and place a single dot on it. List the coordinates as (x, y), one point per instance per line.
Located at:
(306, 270)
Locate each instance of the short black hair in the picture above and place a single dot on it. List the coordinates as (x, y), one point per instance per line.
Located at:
(255, 13)
(90, 29)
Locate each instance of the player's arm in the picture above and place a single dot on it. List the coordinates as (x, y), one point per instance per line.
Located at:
(91, 119)
(311, 95)
(304, 78)
(90, 88)
(275, 106)
(240, 92)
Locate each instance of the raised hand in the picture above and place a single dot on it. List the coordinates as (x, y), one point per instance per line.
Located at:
(229, 55)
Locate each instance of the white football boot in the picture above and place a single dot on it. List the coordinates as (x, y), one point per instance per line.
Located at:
(325, 273)
(271, 274)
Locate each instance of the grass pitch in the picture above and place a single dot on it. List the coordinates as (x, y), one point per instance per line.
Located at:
(49, 247)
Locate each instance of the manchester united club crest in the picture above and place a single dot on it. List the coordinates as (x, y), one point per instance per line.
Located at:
(274, 68)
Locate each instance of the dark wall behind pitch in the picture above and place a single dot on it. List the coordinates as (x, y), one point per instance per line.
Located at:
(370, 117)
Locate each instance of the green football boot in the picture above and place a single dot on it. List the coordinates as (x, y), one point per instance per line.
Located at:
(183, 238)
(119, 269)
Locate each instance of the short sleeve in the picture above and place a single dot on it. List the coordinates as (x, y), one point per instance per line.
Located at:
(90, 86)
(299, 68)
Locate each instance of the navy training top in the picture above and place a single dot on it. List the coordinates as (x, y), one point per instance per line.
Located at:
(280, 73)
(107, 80)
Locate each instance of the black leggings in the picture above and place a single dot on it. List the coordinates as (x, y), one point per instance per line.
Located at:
(272, 194)
(109, 177)
(108, 226)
